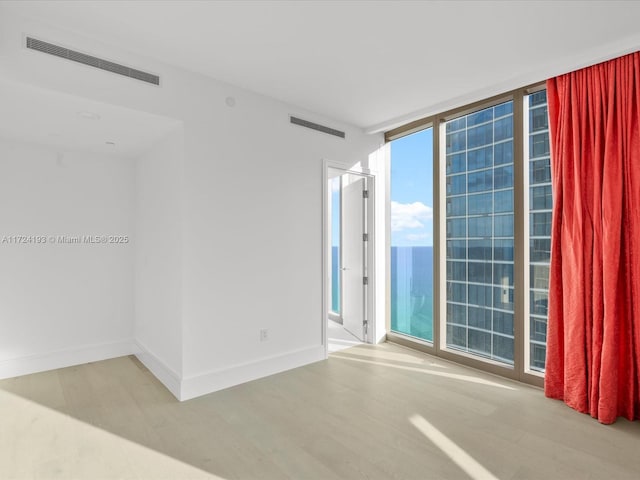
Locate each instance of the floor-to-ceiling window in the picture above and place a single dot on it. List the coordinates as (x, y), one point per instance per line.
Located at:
(412, 235)
(479, 233)
(492, 222)
(540, 204)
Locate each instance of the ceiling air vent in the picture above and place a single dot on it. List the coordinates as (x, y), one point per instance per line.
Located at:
(315, 126)
(62, 52)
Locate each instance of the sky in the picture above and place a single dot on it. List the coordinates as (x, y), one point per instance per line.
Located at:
(412, 190)
(335, 212)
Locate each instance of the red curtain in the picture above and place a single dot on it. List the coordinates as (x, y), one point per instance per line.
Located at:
(593, 334)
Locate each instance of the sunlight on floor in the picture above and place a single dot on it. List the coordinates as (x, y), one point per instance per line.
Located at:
(453, 376)
(338, 338)
(378, 354)
(336, 345)
(461, 458)
(37, 442)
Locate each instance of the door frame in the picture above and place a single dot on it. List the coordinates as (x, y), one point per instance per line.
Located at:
(326, 244)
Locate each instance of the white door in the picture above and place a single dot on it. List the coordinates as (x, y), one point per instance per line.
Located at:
(353, 255)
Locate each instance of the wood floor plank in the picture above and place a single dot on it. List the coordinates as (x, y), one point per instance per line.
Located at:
(346, 418)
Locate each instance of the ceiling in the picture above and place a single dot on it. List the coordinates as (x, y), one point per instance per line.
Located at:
(67, 122)
(374, 64)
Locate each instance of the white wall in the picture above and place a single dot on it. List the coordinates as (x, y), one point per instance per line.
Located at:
(252, 206)
(253, 242)
(158, 259)
(60, 303)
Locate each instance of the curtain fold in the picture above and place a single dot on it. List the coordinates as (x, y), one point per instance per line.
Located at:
(593, 332)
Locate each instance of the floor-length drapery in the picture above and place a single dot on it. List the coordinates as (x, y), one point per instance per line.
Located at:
(593, 335)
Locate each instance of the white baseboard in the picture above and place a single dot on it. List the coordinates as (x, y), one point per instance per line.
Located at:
(42, 362)
(166, 375)
(208, 382)
(182, 388)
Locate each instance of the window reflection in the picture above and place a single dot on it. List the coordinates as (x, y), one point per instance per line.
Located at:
(480, 238)
(540, 206)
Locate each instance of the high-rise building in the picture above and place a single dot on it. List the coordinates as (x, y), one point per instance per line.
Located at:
(479, 233)
(540, 203)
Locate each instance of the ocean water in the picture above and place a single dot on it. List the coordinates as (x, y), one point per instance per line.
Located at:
(335, 279)
(412, 291)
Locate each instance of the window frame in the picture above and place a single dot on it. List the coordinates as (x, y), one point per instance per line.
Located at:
(520, 369)
(399, 337)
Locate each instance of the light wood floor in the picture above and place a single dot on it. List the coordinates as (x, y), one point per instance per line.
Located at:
(338, 338)
(361, 415)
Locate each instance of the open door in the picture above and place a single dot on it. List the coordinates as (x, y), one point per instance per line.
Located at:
(354, 254)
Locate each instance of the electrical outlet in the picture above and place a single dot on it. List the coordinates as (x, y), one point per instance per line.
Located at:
(264, 335)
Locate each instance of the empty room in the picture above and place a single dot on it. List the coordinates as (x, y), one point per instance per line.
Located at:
(316, 240)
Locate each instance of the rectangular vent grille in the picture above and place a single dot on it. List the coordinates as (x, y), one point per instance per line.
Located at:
(315, 126)
(62, 52)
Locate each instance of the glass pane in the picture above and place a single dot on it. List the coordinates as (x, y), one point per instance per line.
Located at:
(479, 136)
(456, 206)
(456, 142)
(503, 129)
(540, 207)
(457, 271)
(481, 181)
(540, 197)
(457, 249)
(540, 224)
(335, 244)
(456, 184)
(457, 292)
(456, 227)
(483, 116)
(480, 204)
(503, 177)
(503, 250)
(538, 144)
(480, 250)
(412, 228)
(503, 109)
(540, 250)
(480, 295)
(455, 125)
(539, 171)
(480, 158)
(502, 322)
(503, 225)
(456, 163)
(503, 201)
(479, 317)
(503, 153)
(479, 226)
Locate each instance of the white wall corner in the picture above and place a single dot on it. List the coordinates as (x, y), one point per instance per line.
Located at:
(201, 384)
(42, 362)
(382, 162)
(165, 374)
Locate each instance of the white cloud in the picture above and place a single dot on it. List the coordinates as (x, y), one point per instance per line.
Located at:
(409, 215)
